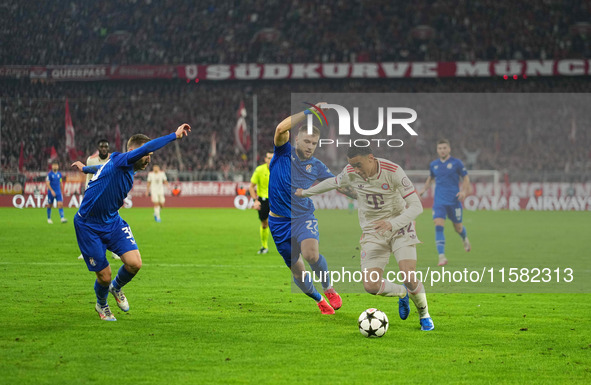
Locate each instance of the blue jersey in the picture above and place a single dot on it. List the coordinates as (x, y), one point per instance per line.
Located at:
(55, 180)
(447, 180)
(287, 174)
(112, 182)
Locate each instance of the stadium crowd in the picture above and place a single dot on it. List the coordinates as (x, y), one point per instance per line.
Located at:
(171, 32)
(33, 114)
(67, 32)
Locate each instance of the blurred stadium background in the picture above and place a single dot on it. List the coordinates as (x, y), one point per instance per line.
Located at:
(132, 66)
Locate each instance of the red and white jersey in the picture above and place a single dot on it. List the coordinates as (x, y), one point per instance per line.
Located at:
(157, 180)
(381, 196)
(94, 160)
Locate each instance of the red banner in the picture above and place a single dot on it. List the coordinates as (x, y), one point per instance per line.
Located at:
(483, 69)
(70, 135)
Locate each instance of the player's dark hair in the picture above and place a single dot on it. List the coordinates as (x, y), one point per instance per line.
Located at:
(304, 129)
(103, 140)
(443, 141)
(137, 140)
(353, 151)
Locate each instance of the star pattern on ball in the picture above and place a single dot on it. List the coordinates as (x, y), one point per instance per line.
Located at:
(371, 332)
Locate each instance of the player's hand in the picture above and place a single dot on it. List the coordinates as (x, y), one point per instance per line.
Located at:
(79, 165)
(461, 196)
(256, 205)
(183, 130)
(321, 105)
(299, 193)
(382, 226)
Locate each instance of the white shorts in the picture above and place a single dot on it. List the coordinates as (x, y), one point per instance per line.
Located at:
(158, 198)
(376, 249)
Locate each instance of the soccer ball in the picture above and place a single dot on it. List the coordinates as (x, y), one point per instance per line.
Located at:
(373, 323)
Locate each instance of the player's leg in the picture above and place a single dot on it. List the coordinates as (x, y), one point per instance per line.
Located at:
(93, 251)
(132, 263)
(49, 205)
(375, 255)
(456, 215)
(289, 250)
(101, 285)
(439, 215)
(407, 263)
(120, 240)
(60, 207)
(306, 232)
(156, 203)
(264, 227)
(318, 264)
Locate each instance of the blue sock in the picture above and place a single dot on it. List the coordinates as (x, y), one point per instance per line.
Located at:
(49, 213)
(308, 288)
(320, 269)
(440, 239)
(463, 233)
(102, 292)
(123, 277)
(61, 211)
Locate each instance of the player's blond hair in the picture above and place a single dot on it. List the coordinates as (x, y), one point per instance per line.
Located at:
(137, 140)
(304, 129)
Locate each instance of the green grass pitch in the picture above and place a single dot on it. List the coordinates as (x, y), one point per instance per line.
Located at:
(205, 308)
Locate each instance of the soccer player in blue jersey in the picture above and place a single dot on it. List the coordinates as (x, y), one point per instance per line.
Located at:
(447, 172)
(54, 192)
(99, 226)
(291, 219)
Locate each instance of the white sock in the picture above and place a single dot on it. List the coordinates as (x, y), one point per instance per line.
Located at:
(389, 289)
(157, 212)
(419, 298)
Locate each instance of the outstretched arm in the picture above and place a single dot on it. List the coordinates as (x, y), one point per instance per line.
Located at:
(348, 191)
(322, 187)
(283, 128)
(86, 169)
(153, 145)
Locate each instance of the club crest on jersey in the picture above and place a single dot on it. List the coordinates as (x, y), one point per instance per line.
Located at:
(91, 261)
(309, 168)
(449, 165)
(385, 186)
(363, 254)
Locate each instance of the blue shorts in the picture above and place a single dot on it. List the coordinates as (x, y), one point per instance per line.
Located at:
(94, 239)
(57, 197)
(289, 233)
(454, 212)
